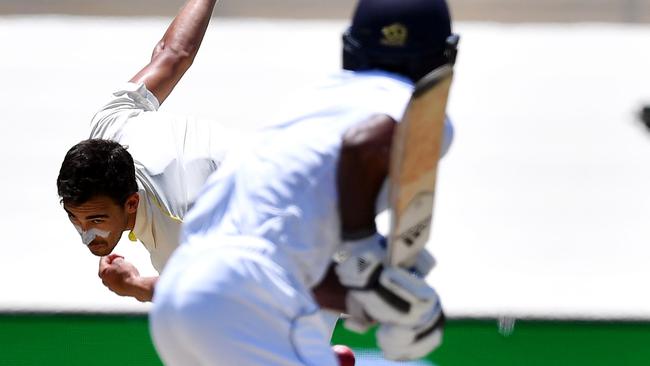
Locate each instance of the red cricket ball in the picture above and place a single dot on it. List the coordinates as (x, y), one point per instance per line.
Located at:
(344, 354)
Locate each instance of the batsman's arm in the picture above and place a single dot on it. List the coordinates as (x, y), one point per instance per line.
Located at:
(330, 293)
(175, 52)
(361, 172)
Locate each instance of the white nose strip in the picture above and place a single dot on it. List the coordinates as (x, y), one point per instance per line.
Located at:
(88, 236)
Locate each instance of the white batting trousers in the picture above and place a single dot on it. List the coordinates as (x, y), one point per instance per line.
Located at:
(236, 303)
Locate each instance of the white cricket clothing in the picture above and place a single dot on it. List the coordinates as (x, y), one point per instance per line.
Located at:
(262, 234)
(239, 305)
(173, 158)
(283, 187)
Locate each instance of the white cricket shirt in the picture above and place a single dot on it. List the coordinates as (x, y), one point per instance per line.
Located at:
(173, 158)
(282, 188)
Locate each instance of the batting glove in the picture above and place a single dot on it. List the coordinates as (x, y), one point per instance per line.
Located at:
(403, 343)
(388, 295)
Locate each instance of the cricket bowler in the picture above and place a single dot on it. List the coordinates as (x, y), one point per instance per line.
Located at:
(141, 169)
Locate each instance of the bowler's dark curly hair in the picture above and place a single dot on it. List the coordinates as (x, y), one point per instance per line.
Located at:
(96, 167)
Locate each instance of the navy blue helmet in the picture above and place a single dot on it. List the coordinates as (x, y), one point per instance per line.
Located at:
(408, 37)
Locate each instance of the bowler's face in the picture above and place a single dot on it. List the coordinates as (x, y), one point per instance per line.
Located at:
(100, 222)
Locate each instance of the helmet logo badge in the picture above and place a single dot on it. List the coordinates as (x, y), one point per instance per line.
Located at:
(395, 35)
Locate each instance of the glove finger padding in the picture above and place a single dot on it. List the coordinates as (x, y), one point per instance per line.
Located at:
(401, 343)
(357, 320)
(360, 258)
(383, 294)
(424, 263)
(398, 298)
(360, 261)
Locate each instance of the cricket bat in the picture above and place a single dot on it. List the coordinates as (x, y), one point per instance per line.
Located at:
(413, 166)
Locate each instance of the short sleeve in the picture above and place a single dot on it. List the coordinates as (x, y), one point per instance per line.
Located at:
(127, 102)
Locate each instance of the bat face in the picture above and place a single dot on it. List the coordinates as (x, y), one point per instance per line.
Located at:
(413, 230)
(414, 163)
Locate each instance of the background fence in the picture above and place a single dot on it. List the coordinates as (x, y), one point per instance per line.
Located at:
(485, 10)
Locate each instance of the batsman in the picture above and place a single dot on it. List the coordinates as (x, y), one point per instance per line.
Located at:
(254, 267)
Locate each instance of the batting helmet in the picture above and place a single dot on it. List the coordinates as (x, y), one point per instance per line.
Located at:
(408, 37)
